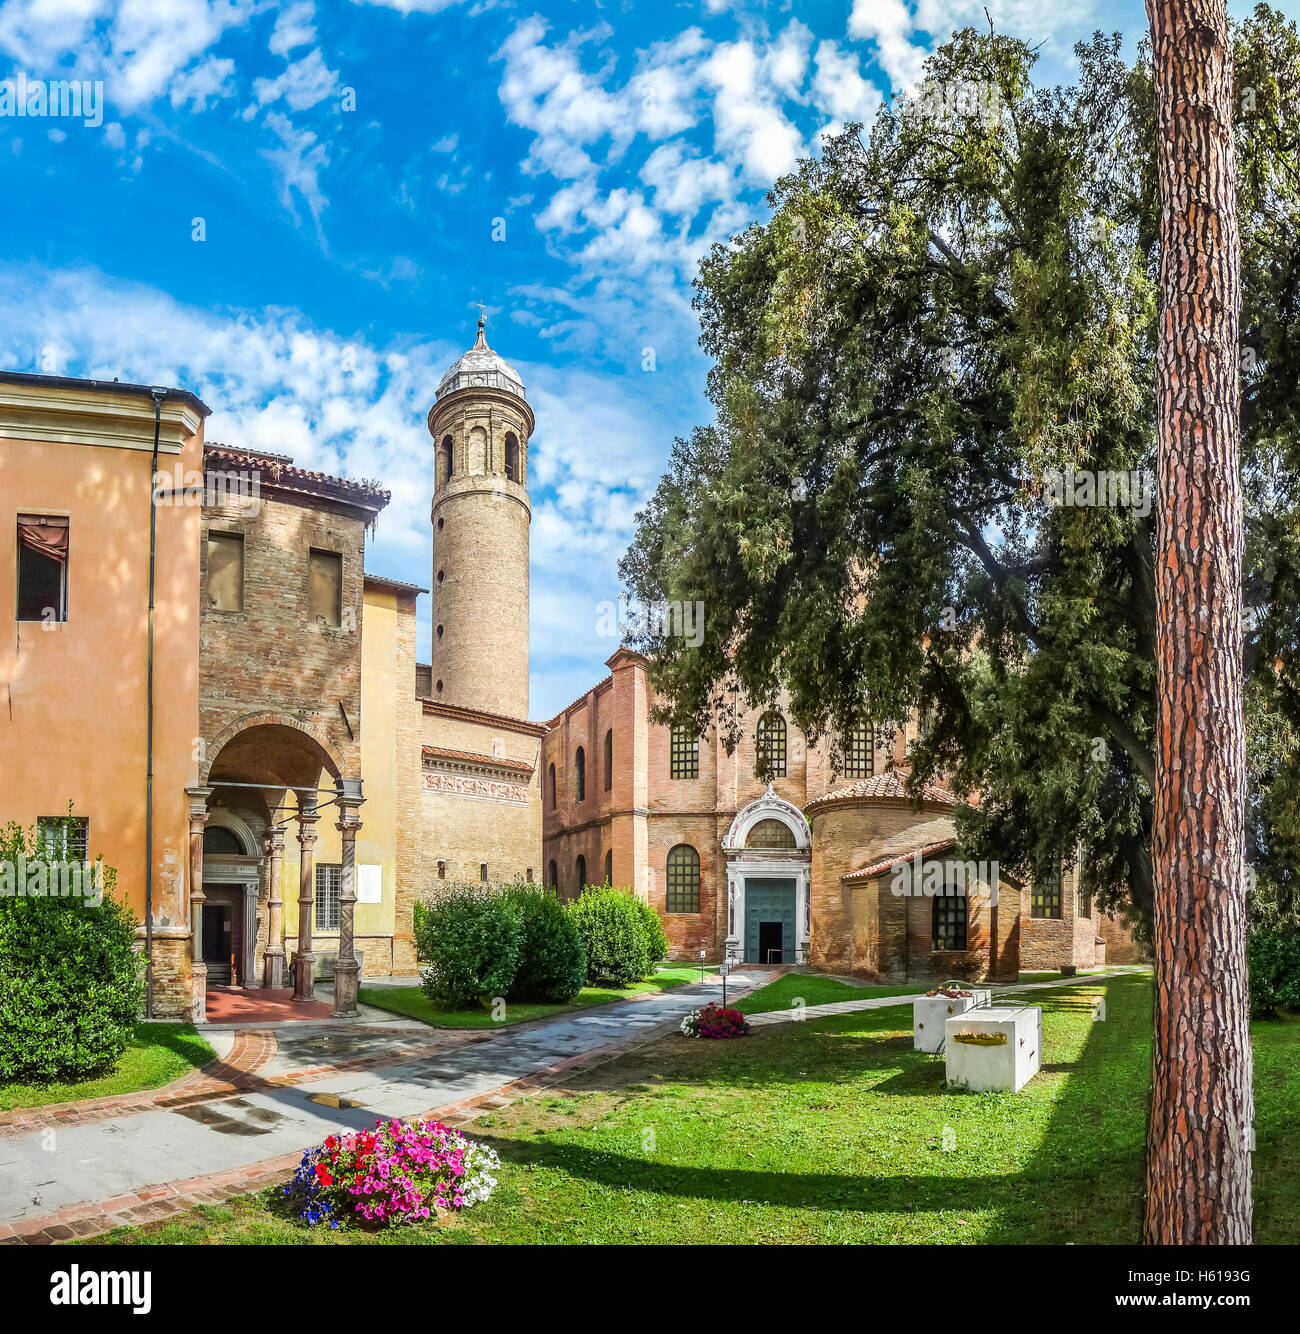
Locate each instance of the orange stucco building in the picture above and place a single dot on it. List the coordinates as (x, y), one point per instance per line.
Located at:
(77, 464)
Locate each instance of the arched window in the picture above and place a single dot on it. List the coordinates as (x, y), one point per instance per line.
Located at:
(949, 920)
(476, 451)
(512, 457)
(444, 460)
(581, 869)
(683, 880)
(770, 746)
(609, 760)
(553, 875)
(222, 841)
(580, 775)
(859, 753)
(551, 776)
(770, 834)
(609, 867)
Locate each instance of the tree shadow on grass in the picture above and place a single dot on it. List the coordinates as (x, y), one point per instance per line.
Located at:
(1082, 1181)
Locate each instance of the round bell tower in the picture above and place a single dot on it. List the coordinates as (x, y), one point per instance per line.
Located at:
(481, 424)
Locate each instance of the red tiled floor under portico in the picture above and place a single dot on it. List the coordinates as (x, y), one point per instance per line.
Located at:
(261, 1005)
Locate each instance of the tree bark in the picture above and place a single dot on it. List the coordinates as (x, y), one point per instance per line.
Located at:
(1199, 1136)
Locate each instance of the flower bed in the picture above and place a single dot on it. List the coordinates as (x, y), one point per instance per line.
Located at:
(400, 1172)
(715, 1022)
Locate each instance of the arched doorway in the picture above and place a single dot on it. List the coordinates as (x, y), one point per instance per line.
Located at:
(768, 850)
(232, 873)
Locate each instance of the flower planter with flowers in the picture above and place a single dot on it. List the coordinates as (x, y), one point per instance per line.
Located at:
(399, 1172)
(714, 1021)
(931, 1011)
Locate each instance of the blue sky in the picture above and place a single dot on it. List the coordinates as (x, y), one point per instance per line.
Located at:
(366, 172)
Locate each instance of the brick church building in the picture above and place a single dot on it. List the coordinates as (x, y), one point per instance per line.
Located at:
(286, 777)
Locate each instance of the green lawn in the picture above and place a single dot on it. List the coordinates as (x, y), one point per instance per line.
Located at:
(814, 990)
(158, 1054)
(412, 1002)
(834, 1130)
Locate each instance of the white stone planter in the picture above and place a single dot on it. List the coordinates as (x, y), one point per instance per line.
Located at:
(929, 1013)
(1004, 1067)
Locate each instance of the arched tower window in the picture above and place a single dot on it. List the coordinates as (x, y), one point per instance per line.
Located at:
(609, 867)
(551, 777)
(443, 473)
(553, 875)
(581, 869)
(770, 746)
(609, 760)
(477, 452)
(580, 775)
(512, 457)
(683, 894)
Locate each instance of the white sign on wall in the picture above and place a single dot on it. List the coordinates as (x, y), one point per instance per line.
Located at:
(370, 884)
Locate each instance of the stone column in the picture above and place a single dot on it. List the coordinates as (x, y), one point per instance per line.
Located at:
(345, 965)
(303, 985)
(199, 971)
(273, 959)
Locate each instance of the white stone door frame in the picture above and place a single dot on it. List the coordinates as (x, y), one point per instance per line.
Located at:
(244, 872)
(768, 863)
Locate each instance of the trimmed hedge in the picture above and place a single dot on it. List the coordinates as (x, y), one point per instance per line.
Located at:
(469, 940)
(656, 938)
(1273, 960)
(614, 936)
(552, 962)
(71, 983)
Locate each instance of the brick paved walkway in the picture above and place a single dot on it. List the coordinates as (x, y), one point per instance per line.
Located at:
(236, 1130)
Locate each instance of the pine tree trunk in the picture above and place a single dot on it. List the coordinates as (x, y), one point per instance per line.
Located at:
(1199, 1137)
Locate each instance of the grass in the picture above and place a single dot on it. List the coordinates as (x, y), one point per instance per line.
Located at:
(833, 1130)
(814, 990)
(157, 1054)
(414, 1004)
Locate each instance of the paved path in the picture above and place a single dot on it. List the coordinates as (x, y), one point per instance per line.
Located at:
(224, 1134)
(113, 1168)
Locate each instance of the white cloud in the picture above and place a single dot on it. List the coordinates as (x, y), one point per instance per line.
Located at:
(298, 160)
(890, 25)
(838, 87)
(748, 125)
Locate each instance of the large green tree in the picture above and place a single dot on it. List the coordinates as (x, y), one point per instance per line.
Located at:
(941, 318)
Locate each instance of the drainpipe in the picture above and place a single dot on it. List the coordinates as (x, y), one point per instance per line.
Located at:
(158, 396)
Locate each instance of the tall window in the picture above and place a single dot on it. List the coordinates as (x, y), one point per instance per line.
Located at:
(609, 867)
(553, 875)
(551, 779)
(581, 869)
(1084, 905)
(1047, 897)
(770, 747)
(444, 460)
(64, 838)
(482, 872)
(329, 878)
(226, 571)
(325, 587)
(42, 568)
(512, 458)
(580, 775)
(859, 754)
(950, 921)
(609, 760)
(683, 753)
(683, 880)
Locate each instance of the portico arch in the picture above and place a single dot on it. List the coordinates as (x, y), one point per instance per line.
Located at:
(768, 877)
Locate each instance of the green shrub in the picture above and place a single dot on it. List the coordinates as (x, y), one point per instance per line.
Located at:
(71, 983)
(656, 938)
(609, 922)
(468, 939)
(552, 962)
(1273, 958)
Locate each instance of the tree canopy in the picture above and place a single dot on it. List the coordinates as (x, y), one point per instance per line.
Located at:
(945, 322)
